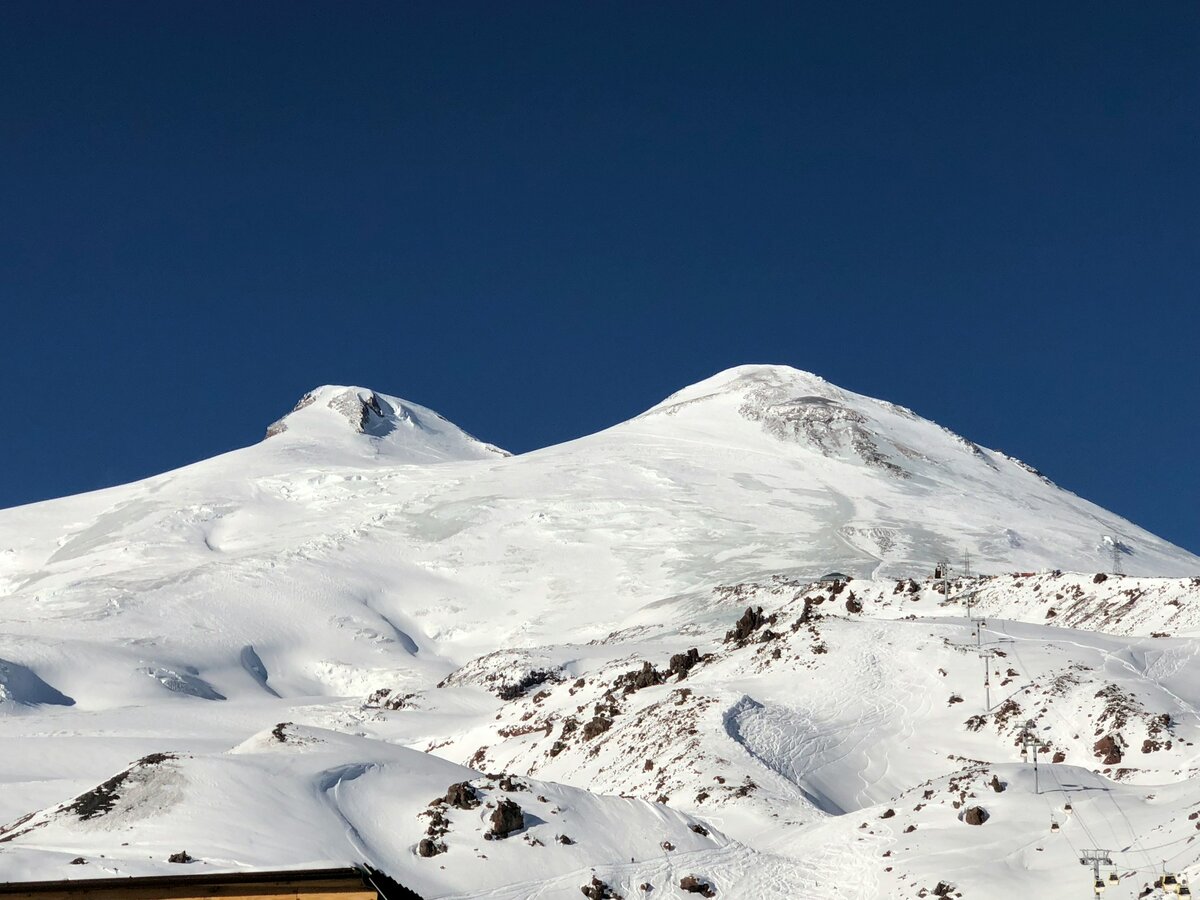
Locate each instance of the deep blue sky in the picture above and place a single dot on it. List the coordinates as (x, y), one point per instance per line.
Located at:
(540, 219)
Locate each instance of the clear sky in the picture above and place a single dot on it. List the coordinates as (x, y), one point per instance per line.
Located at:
(541, 218)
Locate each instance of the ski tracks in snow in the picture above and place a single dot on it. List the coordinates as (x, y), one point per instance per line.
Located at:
(840, 736)
(735, 870)
(329, 785)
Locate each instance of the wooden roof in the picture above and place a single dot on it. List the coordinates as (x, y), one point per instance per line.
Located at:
(347, 883)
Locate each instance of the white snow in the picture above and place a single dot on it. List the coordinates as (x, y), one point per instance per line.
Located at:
(368, 551)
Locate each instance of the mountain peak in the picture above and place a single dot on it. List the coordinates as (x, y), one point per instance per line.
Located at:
(803, 412)
(740, 379)
(388, 426)
(800, 408)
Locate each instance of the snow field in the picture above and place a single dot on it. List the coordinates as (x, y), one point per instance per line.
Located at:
(505, 605)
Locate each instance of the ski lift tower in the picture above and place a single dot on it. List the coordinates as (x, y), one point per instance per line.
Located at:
(1029, 740)
(987, 656)
(1096, 858)
(1115, 552)
(942, 574)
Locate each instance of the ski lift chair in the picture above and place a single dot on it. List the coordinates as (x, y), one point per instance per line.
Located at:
(1098, 887)
(1114, 878)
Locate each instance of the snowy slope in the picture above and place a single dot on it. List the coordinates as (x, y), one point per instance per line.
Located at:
(322, 791)
(815, 738)
(368, 551)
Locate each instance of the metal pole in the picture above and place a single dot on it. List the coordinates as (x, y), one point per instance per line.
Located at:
(1029, 740)
(987, 678)
(985, 655)
(1037, 786)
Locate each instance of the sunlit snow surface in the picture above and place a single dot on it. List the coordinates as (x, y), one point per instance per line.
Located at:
(368, 543)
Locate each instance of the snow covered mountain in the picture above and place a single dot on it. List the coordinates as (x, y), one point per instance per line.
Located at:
(391, 584)
(333, 417)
